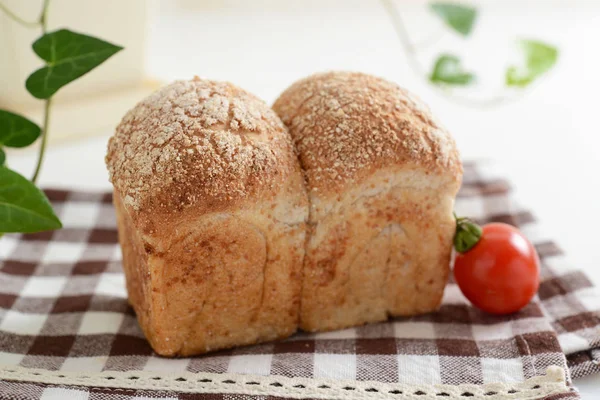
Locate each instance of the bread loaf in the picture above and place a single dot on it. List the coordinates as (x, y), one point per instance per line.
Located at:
(212, 202)
(381, 176)
(211, 213)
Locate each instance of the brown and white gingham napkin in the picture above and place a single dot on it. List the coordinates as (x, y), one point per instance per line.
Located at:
(63, 308)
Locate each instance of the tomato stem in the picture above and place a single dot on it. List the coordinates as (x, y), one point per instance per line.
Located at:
(467, 234)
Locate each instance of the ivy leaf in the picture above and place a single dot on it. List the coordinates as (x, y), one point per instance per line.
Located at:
(539, 59)
(68, 55)
(448, 70)
(23, 207)
(2, 157)
(17, 131)
(459, 17)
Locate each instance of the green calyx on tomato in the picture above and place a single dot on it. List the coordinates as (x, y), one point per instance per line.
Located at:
(467, 234)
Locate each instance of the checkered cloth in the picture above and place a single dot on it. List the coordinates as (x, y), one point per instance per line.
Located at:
(63, 308)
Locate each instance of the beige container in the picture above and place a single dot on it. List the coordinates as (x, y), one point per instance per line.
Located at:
(94, 103)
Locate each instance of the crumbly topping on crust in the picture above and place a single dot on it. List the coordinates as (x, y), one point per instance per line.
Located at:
(346, 125)
(194, 142)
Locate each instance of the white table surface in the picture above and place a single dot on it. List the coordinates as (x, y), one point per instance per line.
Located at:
(548, 142)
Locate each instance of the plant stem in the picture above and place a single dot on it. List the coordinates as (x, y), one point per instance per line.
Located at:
(44, 140)
(44, 17)
(44, 23)
(18, 19)
(413, 61)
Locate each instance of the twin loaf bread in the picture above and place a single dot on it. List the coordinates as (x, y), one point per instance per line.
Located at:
(212, 209)
(211, 214)
(382, 176)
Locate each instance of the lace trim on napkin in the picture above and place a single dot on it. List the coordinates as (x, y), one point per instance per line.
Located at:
(538, 387)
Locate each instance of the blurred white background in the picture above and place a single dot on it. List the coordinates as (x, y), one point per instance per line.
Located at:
(547, 142)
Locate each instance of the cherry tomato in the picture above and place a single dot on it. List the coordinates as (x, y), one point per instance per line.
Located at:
(501, 273)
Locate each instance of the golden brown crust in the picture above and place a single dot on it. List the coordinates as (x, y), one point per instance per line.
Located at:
(382, 175)
(226, 279)
(211, 210)
(197, 143)
(384, 251)
(347, 125)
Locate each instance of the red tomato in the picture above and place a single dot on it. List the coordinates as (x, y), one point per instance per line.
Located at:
(501, 273)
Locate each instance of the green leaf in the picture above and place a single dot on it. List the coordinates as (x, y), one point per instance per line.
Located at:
(459, 17)
(17, 131)
(448, 70)
(23, 207)
(539, 59)
(68, 55)
(2, 157)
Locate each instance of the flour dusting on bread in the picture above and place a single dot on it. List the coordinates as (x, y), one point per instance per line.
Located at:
(348, 124)
(195, 141)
